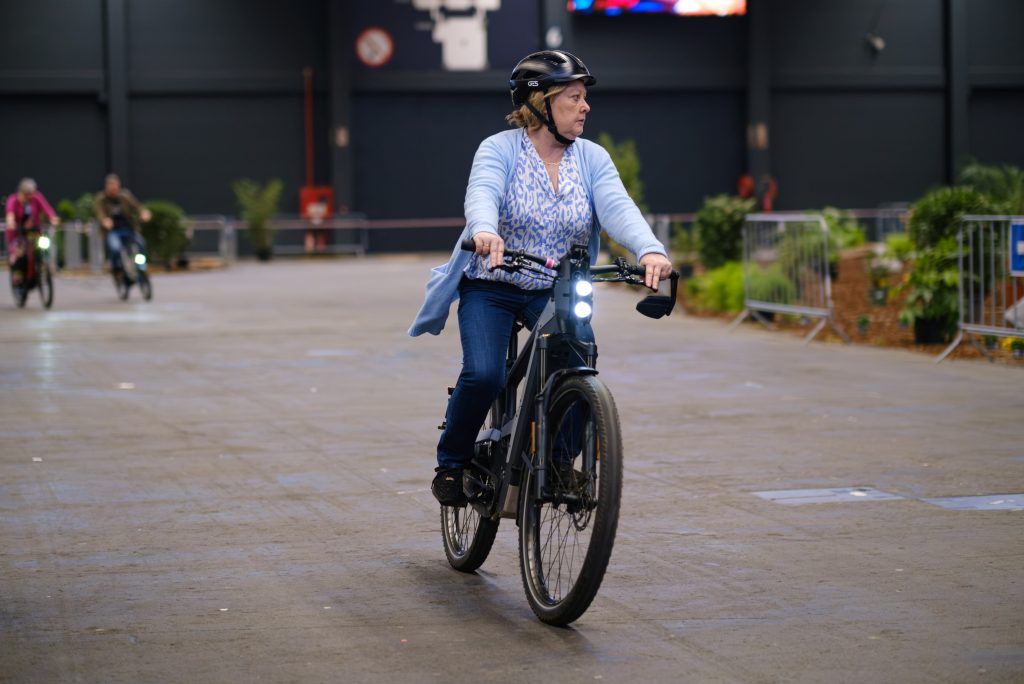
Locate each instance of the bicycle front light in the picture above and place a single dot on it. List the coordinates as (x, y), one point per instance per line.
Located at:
(44, 242)
(140, 259)
(583, 302)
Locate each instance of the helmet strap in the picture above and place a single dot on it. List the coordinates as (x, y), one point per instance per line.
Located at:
(549, 121)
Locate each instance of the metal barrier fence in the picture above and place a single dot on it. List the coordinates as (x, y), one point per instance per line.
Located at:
(786, 270)
(991, 283)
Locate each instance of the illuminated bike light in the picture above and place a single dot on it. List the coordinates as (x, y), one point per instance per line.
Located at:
(44, 242)
(583, 310)
(584, 288)
(140, 259)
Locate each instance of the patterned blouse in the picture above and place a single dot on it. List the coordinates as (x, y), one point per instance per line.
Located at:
(536, 219)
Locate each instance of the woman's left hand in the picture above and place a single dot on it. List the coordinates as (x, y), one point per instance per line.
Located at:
(657, 268)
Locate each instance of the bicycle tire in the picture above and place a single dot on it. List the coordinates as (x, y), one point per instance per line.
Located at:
(19, 292)
(549, 532)
(145, 285)
(46, 286)
(468, 537)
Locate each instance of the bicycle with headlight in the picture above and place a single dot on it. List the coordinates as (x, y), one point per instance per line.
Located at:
(31, 270)
(131, 268)
(550, 453)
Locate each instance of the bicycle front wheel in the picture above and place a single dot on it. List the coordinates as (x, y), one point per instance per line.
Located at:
(46, 286)
(145, 286)
(566, 539)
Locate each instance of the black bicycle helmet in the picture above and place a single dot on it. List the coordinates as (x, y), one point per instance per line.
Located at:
(540, 71)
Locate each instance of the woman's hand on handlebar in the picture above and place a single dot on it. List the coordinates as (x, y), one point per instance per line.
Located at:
(490, 244)
(656, 268)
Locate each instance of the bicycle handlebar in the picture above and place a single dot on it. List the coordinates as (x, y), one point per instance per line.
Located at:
(620, 267)
(546, 262)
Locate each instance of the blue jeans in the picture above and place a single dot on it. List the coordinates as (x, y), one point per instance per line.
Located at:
(487, 313)
(118, 236)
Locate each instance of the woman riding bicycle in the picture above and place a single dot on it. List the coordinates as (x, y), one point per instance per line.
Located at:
(23, 214)
(539, 188)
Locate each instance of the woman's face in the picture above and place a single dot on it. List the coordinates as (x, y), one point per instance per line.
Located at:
(569, 109)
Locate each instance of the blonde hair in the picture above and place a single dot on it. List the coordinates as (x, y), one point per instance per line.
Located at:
(524, 118)
(27, 186)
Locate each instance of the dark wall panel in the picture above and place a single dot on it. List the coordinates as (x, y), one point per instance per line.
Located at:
(51, 35)
(417, 165)
(190, 149)
(690, 145)
(659, 42)
(829, 35)
(996, 118)
(856, 149)
(994, 33)
(227, 36)
(59, 141)
(413, 153)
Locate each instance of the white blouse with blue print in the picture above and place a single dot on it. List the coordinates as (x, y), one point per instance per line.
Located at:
(536, 219)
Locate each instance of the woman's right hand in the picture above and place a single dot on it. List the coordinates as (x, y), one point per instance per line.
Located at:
(490, 244)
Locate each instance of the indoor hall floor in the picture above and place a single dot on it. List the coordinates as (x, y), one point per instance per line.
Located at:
(230, 484)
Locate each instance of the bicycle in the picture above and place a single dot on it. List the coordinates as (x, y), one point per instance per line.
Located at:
(37, 273)
(550, 453)
(131, 269)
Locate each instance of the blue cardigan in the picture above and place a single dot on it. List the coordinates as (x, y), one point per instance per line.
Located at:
(493, 167)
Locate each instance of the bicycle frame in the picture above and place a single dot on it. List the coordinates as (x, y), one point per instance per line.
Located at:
(523, 421)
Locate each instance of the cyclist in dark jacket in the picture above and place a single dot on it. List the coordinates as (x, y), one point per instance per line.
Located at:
(119, 213)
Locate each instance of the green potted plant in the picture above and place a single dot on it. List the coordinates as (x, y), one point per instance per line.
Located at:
(932, 303)
(259, 205)
(166, 233)
(718, 290)
(719, 228)
(863, 323)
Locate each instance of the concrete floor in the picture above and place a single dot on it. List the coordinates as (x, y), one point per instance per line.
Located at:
(229, 484)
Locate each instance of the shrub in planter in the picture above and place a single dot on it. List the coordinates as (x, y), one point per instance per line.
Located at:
(718, 290)
(719, 228)
(1003, 185)
(166, 232)
(259, 204)
(936, 216)
(932, 303)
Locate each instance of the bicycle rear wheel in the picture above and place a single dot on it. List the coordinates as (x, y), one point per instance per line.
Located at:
(565, 542)
(19, 291)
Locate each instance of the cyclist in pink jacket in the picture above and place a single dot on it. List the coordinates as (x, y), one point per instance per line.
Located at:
(24, 217)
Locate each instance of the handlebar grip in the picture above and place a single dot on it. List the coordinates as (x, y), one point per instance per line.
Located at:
(468, 246)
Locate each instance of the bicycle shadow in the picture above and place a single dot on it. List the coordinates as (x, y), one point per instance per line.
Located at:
(494, 603)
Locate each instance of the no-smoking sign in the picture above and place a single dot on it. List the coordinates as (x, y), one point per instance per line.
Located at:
(374, 46)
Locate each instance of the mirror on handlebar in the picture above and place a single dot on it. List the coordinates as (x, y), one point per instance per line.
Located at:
(656, 306)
